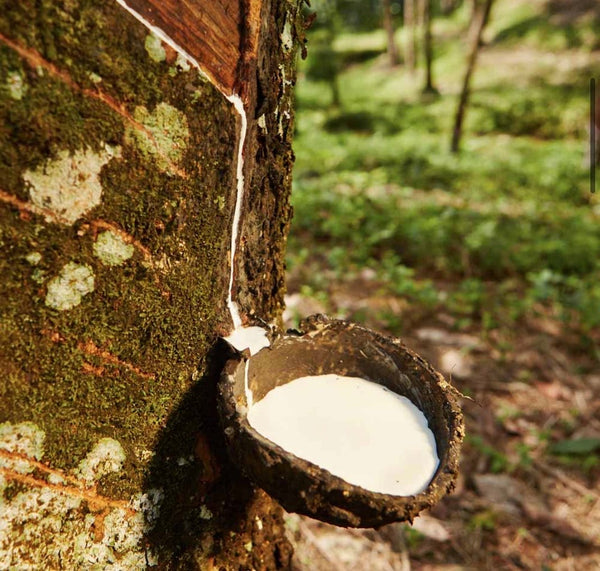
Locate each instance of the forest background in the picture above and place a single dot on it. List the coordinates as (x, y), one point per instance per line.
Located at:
(485, 257)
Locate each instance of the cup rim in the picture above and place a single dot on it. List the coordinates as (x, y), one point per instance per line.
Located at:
(303, 487)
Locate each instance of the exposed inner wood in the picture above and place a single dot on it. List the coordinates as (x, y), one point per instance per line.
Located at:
(221, 35)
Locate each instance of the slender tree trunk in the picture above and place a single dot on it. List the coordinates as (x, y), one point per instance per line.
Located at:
(411, 34)
(336, 100)
(473, 6)
(119, 180)
(427, 46)
(334, 60)
(596, 127)
(481, 13)
(388, 24)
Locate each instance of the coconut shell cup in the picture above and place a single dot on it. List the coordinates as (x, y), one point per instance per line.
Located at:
(332, 346)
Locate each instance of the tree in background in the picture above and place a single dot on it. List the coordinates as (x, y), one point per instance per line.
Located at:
(479, 19)
(118, 170)
(448, 6)
(324, 63)
(410, 49)
(426, 17)
(388, 24)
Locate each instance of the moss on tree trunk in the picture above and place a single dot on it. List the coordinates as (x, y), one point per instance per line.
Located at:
(118, 170)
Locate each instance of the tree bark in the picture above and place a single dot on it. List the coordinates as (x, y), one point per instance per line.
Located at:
(481, 13)
(388, 25)
(411, 34)
(118, 163)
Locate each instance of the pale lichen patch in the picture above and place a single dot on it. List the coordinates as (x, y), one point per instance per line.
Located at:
(111, 249)
(262, 122)
(285, 82)
(94, 77)
(149, 504)
(38, 276)
(106, 456)
(33, 258)
(154, 48)
(15, 85)
(287, 40)
(182, 62)
(43, 528)
(69, 186)
(220, 202)
(144, 455)
(166, 136)
(25, 439)
(66, 290)
(57, 479)
(28, 521)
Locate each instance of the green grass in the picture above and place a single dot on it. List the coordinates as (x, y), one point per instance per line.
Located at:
(492, 234)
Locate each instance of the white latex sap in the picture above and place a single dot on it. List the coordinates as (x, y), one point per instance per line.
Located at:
(252, 338)
(354, 428)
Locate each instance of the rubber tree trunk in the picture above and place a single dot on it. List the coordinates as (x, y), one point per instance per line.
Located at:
(481, 13)
(411, 34)
(388, 24)
(118, 170)
(427, 46)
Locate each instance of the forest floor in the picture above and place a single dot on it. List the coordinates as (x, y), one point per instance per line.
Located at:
(487, 263)
(515, 506)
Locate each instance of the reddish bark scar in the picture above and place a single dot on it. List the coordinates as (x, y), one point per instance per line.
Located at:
(35, 59)
(95, 501)
(127, 238)
(92, 370)
(27, 208)
(90, 348)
